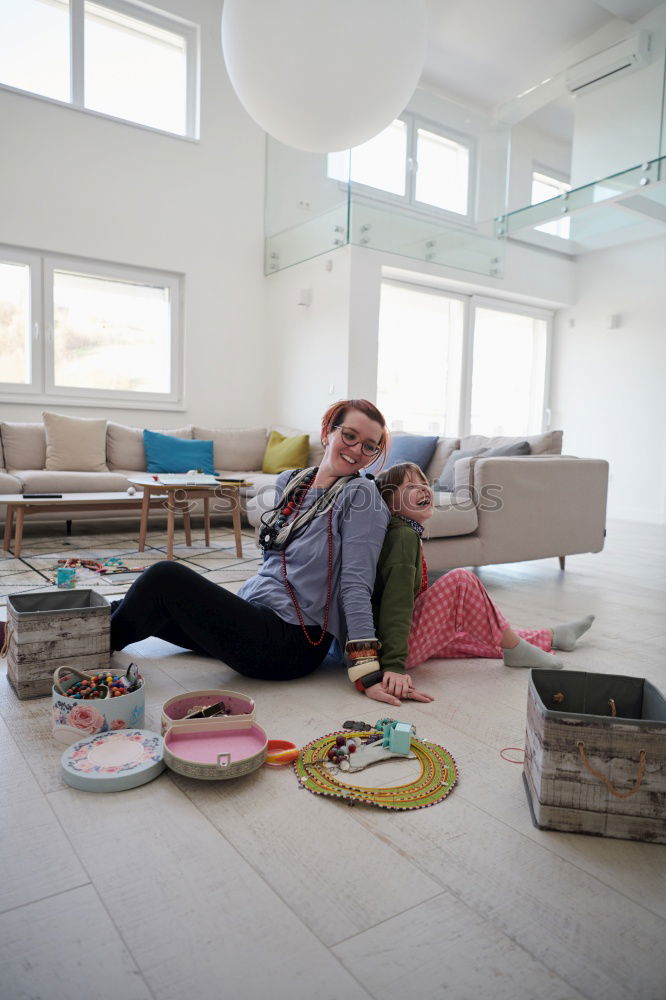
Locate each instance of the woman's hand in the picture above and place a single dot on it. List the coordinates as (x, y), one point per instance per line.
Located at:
(393, 687)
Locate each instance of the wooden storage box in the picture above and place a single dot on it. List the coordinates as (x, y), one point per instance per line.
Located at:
(588, 770)
(66, 628)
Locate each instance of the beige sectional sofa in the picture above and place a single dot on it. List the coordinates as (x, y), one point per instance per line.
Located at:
(502, 509)
(508, 509)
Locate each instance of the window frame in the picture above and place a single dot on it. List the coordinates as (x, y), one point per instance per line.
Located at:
(191, 34)
(471, 302)
(413, 123)
(42, 386)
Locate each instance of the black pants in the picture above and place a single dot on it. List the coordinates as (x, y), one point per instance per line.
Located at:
(173, 602)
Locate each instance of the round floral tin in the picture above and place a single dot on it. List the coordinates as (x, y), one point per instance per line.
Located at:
(113, 762)
(74, 718)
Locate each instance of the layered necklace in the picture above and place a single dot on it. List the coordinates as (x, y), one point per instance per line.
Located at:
(286, 521)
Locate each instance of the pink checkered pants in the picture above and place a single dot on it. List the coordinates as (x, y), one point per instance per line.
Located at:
(455, 618)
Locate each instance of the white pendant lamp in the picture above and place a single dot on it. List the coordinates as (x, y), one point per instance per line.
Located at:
(324, 75)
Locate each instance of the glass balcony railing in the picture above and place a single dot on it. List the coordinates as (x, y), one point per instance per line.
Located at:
(623, 207)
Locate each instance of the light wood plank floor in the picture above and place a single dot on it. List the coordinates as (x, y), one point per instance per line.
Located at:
(254, 888)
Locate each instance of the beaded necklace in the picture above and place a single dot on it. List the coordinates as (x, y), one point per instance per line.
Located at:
(293, 507)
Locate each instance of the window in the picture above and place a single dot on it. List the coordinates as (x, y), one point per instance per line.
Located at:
(412, 163)
(418, 397)
(508, 370)
(478, 366)
(125, 61)
(545, 187)
(34, 46)
(87, 331)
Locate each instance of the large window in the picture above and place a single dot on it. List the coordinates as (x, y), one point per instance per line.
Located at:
(452, 365)
(87, 331)
(413, 162)
(112, 57)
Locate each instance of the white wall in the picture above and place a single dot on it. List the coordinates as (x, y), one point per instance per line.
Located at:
(608, 385)
(80, 184)
(308, 347)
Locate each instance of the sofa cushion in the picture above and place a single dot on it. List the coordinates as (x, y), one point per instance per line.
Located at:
(316, 452)
(165, 453)
(24, 445)
(548, 443)
(2, 455)
(451, 517)
(124, 446)
(235, 450)
(283, 453)
(9, 484)
(416, 448)
(74, 444)
(443, 450)
(453, 478)
(446, 481)
(44, 481)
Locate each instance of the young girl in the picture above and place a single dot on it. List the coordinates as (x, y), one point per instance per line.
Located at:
(455, 618)
(321, 543)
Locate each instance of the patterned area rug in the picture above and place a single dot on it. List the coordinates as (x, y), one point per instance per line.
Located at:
(36, 568)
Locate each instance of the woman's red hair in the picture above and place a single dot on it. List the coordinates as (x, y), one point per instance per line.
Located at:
(335, 416)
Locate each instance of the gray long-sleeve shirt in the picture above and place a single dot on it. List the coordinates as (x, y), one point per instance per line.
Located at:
(360, 519)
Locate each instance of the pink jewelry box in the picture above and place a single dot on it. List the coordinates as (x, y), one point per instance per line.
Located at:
(175, 709)
(215, 749)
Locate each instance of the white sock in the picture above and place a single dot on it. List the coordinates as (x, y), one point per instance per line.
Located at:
(527, 655)
(565, 636)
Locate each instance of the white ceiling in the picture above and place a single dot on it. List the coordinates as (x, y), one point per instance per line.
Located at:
(488, 51)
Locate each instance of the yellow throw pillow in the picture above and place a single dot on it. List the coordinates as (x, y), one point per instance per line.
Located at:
(284, 453)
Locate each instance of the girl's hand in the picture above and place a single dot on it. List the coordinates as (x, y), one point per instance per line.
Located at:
(395, 686)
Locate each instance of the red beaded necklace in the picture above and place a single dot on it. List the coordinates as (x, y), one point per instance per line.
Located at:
(293, 507)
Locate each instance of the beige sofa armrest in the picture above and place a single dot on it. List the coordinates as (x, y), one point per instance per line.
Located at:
(536, 506)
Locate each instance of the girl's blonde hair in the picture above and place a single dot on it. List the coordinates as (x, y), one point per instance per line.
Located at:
(391, 479)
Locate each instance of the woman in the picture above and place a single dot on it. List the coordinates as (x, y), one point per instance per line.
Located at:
(321, 544)
(455, 618)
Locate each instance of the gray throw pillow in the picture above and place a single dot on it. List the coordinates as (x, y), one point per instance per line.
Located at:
(516, 448)
(446, 482)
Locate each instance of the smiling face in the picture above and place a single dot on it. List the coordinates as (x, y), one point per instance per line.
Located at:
(342, 458)
(413, 498)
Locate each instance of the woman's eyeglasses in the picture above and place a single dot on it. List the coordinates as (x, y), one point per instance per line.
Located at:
(351, 438)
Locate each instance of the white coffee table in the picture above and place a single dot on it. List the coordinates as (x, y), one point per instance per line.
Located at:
(20, 507)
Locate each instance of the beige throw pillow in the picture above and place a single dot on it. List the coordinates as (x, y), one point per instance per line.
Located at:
(75, 444)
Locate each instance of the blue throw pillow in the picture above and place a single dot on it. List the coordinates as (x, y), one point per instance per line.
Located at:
(171, 454)
(415, 448)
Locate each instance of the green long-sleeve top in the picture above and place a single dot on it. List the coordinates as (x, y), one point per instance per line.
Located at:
(397, 585)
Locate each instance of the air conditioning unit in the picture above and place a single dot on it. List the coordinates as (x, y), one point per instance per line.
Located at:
(623, 57)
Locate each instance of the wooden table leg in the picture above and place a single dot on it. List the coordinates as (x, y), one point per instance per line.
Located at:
(145, 508)
(236, 519)
(18, 534)
(9, 524)
(206, 506)
(186, 523)
(170, 526)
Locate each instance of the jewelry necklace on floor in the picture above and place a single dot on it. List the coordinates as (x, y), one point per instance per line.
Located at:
(293, 506)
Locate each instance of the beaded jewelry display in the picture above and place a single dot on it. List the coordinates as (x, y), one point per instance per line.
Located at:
(313, 768)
